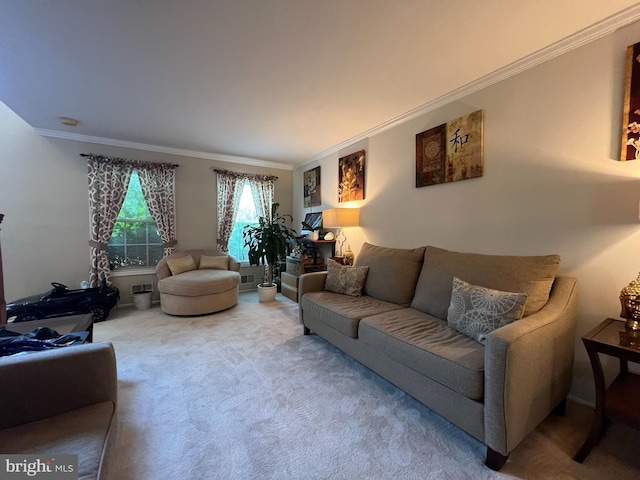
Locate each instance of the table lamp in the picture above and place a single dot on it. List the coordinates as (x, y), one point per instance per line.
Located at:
(341, 218)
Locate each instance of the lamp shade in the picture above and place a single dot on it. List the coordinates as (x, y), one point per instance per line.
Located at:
(341, 217)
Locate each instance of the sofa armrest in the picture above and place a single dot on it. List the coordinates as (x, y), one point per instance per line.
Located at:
(43, 384)
(234, 264)
(310, 282)
(529, 367)
(162, 269)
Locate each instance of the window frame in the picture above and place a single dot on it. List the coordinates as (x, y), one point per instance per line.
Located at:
(138, 269)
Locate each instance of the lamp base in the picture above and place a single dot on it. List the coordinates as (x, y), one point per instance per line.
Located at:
(340, 240)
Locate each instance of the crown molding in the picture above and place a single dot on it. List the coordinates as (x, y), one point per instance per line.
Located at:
(160, 149)
(576, 40)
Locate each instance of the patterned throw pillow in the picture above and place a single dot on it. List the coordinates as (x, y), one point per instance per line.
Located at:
(181, 264)
(476, 311)
(345, 280)
(219, 262)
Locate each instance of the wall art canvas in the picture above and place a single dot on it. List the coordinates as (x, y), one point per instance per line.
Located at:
(312, 193)
(631, 111)
(351, 177)
(450, 152)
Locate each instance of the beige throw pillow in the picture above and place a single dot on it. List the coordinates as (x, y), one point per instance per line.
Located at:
(220, 262)
(344, 279)
(181, 264)
(476, 311)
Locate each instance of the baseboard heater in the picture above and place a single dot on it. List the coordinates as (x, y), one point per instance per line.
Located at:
(250, 277)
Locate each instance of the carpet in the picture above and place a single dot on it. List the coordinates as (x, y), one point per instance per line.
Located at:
(242, 394)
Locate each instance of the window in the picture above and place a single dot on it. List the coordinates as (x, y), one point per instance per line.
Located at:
(135, 242)
(246, 216)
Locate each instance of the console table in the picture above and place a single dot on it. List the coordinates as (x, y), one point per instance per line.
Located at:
(314, 245)
(619, 402)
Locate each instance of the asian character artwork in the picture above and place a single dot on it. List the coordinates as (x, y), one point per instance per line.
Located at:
(312, 192)
(631, 114)
(450, 152)
(351, 177)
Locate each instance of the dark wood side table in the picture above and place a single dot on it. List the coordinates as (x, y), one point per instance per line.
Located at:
(619, 402)
(314, 245)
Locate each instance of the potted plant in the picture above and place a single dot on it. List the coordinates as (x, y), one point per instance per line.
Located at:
(268, 242)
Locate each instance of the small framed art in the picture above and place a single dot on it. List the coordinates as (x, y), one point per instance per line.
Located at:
(312, 192)
(631, 110)
(450, 152)
(351, 177)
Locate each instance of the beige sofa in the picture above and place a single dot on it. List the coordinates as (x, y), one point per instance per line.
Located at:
(197, 282)
(497, 389)
(61, 401)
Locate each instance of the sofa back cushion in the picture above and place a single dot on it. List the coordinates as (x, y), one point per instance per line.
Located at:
(163, 271)
(393, 272)
(532, 275)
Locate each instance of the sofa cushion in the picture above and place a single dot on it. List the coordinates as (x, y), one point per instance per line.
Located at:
(177, 265)
(532, 275)
(195, 283)
(393, 272)
(476, 311)
(81, 432)
(342, 312)
(220, 262)
(345, 279)
(428, 346)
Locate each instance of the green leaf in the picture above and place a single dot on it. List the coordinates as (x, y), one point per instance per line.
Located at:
(269, 240)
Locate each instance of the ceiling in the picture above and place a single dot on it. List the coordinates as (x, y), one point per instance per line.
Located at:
(277, 81)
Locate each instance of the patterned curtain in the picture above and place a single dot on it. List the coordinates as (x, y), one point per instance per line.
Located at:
(158, 187)
(230, 187)
(262, 191)
(108, 184)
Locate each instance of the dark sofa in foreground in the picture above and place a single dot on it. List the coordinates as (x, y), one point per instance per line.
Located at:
(496, 386)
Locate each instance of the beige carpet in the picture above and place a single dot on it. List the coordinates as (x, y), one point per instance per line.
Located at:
(242, 394)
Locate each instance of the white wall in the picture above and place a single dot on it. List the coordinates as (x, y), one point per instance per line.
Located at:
(43, 194)
(552, 182)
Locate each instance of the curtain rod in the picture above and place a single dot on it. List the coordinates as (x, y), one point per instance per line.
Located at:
(175, 165)
(244, 174)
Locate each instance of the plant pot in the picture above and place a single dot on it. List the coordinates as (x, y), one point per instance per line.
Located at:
(142, 300)
(267, 293)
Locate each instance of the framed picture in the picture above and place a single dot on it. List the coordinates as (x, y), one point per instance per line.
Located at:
(450, 152)
(631, 112)
(311, 182)
(351, 177)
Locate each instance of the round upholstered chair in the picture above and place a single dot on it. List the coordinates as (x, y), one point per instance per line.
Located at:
(197, 282)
